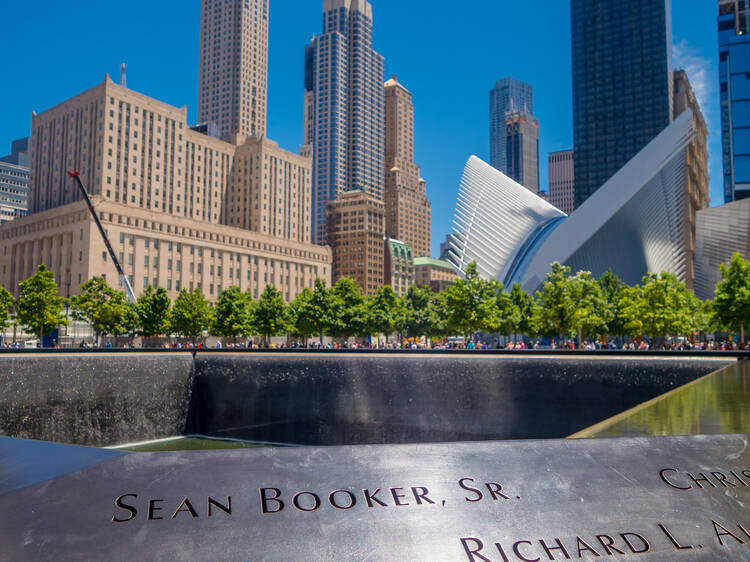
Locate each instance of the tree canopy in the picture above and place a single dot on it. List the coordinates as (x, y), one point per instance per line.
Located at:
(191, 314)
(103, 307)
(154, 314)
(732, 302)
(39, 308)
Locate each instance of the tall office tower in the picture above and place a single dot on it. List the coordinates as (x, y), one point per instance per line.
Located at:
(561, 181)
(508, 96)
(696, 169)
(408, 211)
(234, 66)
(348, 107)
(734, 91)
(355, 233)
(622, 84)
(522, 149)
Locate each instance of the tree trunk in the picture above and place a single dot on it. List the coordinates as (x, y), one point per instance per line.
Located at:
(580, 337)
(742, 332)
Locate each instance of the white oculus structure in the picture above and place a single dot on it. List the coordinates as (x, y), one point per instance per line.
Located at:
(634, 224)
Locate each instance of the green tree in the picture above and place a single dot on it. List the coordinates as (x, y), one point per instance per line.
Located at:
(521, 315)
(233, 314)
(420, 315)
(39, 308)
(270, 315)
(613, 289)
(471, 304)
(591, 310)
(6, 301)
(299, 325)
(346, 304)
(659, 307)
(556, 310)
(387, 311)
(103, 307)
(317, 314)
(154, 315)
(732, 302)
(191, 314)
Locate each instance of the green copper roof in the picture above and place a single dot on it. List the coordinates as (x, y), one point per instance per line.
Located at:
(432, 261)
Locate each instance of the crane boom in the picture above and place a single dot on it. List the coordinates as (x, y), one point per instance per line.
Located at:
(126, 283)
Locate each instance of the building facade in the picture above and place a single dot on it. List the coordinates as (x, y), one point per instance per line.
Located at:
(436, 274)
(14, 181)
(696, 168)
(720, 232)
(622, 84)
(562, 181)
(508, 96)
(356, 232)
(634, 224)
(408, 211)
(233, 72)
(399, 266)
(734, 93)
(158, 183)
(156, 249)
(348, 108)
(522, 149)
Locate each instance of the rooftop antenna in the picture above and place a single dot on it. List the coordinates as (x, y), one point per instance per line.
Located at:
(123, 77)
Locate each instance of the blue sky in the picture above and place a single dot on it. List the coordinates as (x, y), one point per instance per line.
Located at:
(449, 58)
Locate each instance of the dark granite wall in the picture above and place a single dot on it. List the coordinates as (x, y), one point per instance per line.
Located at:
(323, 399)
(94, 399)
(333, 400)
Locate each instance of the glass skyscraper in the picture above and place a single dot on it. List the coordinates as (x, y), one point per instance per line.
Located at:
(734, 91)
(508, 96)
(345, 108)
(622, 84)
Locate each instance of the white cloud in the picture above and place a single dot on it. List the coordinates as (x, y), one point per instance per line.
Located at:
(688, 58)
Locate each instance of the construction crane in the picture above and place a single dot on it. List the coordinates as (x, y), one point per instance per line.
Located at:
(124, 278)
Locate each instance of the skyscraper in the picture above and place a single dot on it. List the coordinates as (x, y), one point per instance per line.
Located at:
(522, 149)
(234, 66)
(408, 211)
(561, 181)
(348, 107)
(508, 96)
(622, 84)
(734, 91)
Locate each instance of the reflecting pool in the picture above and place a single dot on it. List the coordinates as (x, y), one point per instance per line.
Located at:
(714, 404)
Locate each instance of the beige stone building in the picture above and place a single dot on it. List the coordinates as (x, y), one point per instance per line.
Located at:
(437, 274)
(408, 211)
(233, 70)
(697, 167)
(156, 181)
(356, 227)
(136, 150)
(155, 249)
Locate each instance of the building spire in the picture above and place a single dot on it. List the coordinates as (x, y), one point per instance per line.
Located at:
(123, 77)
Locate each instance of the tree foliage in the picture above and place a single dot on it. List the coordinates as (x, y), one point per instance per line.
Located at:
(191, 314)
(387, 311)
(658, 307)
(590, 309)
(39, 308)
(103, 307)
(346, 303)
(6, 302)
(555, 312)
(233, 313)
(154, 315)
(613, 289)
(471, 304)
(732, 303)
(270, 315)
